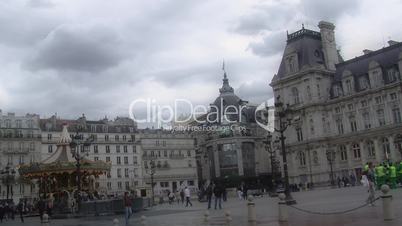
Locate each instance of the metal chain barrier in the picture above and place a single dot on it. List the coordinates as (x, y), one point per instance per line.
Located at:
(333, 213)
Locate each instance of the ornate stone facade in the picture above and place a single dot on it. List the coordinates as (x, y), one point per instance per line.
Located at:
(352, 107)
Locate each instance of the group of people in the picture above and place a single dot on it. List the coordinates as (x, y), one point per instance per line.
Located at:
(218, 191)
(8, 210)
(386, 173)
(346, 181)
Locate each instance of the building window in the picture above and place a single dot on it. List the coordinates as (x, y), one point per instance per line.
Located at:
(291, 64)
(157, 142)
(96, 158)
(299, 133)
(295, 94)
(132, 138)
(302, 158)
(107, 158)
(127, 185)
(378, 100)
(135, 160)
(109, 185)
(396, 113)
(315, 157)
(50, 149)
(164, 143)
(318, 91)
(339, 125)
(337, 110)
(356, 151)
(120, 185)
(125, 148)
(117, 149)
(366, 119)
(49, 136)
(381, 117)
(370, 149)
(116, 138)
(134, 149)
(164, 184)
(190, 183)
(124, 137)
(96, 149)
(106, 137)
(386, 147)
(353, 124)
(364, 103)
(393, 96)
(107, 149)
(119, 173)
(118, 160)
(350, 107)
(309, 93)
(348, 86)
(363, 82)
(126, 160)
(392, 75)
(126, 173)
(344, 153)
(165, 153)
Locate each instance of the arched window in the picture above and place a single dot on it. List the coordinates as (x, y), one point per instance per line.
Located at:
(343, 152)
(356, 151)
(386, 147)
(370, 149)
(295, 94)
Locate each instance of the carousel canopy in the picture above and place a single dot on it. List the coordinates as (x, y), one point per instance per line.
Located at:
(63, 162)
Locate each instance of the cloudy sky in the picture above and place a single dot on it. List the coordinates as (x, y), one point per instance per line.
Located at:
(96, 56)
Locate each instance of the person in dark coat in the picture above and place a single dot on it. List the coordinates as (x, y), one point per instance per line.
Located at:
(2, 212)
(218, 196)
(20, 209)
(209, 192)
(41, 208)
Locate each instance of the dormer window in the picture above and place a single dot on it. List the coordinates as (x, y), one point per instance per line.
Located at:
(337, 91)
(348, 86)
(291, 63)
(392, 75)
(363, 83)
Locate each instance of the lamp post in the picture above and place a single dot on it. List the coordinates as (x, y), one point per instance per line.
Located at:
(8, 178)
(331, 158)
(271, 151)
(152, 173)
(78, 143)
(284, 115)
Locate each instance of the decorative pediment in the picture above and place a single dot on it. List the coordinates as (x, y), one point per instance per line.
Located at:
(373, 64)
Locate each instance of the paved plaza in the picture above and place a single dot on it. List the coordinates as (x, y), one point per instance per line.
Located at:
(327, 200)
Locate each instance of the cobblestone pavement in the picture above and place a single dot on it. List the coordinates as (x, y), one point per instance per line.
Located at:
(327, 200)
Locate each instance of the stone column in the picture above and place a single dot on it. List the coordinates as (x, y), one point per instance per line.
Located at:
(378, 150)
(216, 161)
(350, 155)
(239, 157)
(393, 155)
(363, 152)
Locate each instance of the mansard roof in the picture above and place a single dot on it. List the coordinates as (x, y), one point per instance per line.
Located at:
(386, 57)
(308, 48)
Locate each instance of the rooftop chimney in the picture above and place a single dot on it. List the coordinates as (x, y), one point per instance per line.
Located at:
(392, 42)
(367, 51)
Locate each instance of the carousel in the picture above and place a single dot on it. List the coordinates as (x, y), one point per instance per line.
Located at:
(67, 176)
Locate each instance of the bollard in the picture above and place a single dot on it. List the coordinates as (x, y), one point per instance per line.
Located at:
(386, 203)
(206, 216)
(45, 220)
(143, 220)
(283, 208)
(228, 218)
(252, 218)
(115, 222)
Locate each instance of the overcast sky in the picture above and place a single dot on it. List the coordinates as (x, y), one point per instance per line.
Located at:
(96, 56)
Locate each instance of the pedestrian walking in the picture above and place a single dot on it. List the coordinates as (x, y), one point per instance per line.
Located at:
(371, 185)
(41, 208)
(182, 196)
(20, 209)
(218, 196)
(127, 207)
(2, 212)
(188, 195)
(239, 194)
(209, 193)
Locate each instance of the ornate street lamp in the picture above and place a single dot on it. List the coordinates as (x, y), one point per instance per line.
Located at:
(331, 158)
(284, 115)
(8, 178)
(271, 151)
(79, 148)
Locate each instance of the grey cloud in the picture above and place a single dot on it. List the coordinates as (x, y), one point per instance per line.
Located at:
(78, 48)
(265, 17)
(255, 92)
(270, 45)
(328, 10)
(40, 3)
